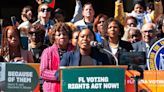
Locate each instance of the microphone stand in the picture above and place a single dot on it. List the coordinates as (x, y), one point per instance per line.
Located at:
(116, 60)
(136, 78)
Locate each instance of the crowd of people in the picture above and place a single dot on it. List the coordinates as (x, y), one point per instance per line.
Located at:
(54, 42)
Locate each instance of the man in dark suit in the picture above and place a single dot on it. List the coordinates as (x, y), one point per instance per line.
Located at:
(148, 33)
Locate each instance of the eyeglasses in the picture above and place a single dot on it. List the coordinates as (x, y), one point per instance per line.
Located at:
(148, 31)
(45, 9)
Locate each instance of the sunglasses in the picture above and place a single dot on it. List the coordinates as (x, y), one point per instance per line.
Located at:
(45, 9)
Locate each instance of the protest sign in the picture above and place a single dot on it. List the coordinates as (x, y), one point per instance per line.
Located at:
(153, 81)
(93, 79)
(17, 77)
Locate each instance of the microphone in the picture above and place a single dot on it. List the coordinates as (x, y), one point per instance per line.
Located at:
(100, 45)
(96, 44)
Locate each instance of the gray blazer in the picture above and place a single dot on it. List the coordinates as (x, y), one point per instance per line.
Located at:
(139, 46)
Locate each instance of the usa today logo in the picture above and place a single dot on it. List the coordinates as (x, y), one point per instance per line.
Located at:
(156, 56)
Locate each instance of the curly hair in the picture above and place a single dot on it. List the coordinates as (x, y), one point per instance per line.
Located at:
(58, 27)
(72, 26)
(110, 20)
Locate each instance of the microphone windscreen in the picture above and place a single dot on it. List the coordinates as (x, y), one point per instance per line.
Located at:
(93, 43)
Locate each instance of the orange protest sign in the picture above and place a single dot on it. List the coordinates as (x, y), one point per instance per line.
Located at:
(153, 81)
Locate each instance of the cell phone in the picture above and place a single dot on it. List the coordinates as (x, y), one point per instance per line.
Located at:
(13, 20)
